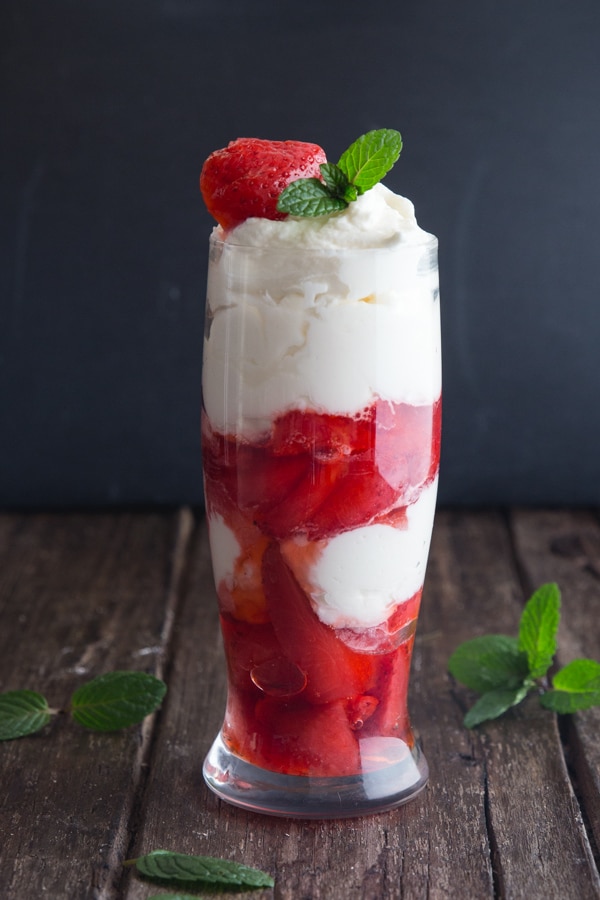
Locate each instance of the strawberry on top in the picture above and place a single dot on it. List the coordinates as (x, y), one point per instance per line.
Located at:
(246, 178)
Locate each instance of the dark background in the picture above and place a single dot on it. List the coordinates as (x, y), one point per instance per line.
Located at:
(108, 110)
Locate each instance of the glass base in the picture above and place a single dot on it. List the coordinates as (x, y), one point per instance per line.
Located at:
(378, 788)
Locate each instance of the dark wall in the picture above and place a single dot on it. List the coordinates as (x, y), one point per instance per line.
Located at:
(109, 108)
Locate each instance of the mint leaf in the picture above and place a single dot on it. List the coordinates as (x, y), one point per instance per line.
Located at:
(180, 896)
(22, 713)
(174, 897)
(538, 629)
(337, 183)
(493, 704)
(576, 686)
(163, 865)
(360, 168)
(504, 669)
(117, 700)
(490, 662)
(335, 180)
(371, 157)
(309, 197)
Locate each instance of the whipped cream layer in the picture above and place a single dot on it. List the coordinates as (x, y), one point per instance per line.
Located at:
(376, 219)
(225, 549)
(356, 579)
(327, 314)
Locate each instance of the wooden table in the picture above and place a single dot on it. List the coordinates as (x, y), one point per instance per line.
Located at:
(511, 811)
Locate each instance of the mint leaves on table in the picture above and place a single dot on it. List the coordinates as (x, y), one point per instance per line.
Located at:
(106, 703)
(360, 167)
(182, 870)
(505, 669)
(577, 686)
(22, 713)
(116, 700)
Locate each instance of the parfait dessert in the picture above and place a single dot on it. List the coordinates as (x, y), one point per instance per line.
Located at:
(320, 441)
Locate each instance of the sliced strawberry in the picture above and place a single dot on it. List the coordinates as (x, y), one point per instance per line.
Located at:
(246, 178)
(356, 498)
(301, 739)
(360, 709)
(333, 670)
(403, 614)
(362, 467)
(295, 514)
(217, 497)
(249, 476)
(240, 726)
(218, 463)
(325, 436)
(247, 646)
(407, 443)
(396, 518)
(391, 719)
(264, 480)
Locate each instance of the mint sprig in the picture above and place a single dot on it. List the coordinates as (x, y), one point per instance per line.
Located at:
(183, 870)
(505, 669)
(107, 703)
(360, 167)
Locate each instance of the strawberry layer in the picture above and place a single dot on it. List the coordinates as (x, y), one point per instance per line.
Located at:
(324, 522)
(350, 499)
(316, 475)
(301, 700)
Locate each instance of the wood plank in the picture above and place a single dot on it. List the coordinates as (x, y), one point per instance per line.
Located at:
(79, 595)
(85, 594)
(538, 844)
(480, 810)
(564, 546)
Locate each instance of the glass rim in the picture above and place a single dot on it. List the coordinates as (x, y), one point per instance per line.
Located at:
(427, 241)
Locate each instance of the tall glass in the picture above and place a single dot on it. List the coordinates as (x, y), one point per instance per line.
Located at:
(321, 433)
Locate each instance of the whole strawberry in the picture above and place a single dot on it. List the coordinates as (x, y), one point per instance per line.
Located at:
(246, 178)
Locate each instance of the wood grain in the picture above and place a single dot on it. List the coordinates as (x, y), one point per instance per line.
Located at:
(350, 858)
(564, 546)
(538, 846)
(79, 595)
(504, 814)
